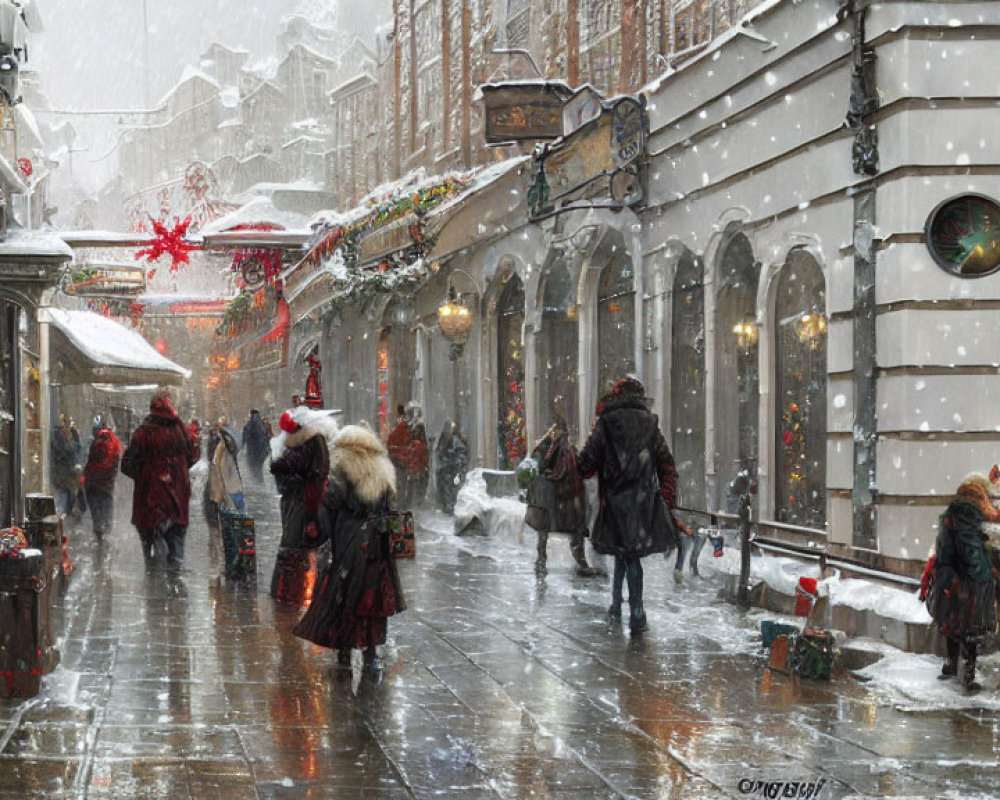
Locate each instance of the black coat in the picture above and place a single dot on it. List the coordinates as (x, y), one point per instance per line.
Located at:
(556, 500)
(300, 473)
(255, 440)
(962, 598)
(637, 481)
(452, 462)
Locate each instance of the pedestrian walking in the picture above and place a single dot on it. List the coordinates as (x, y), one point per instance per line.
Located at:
(637, 489)
(556, 499)
(100, 474)
(452, 453)
(256, 442)
(300, 463)
(962, 595)
(224, 487)
(360, 589)
(67, 467)
(159, 455)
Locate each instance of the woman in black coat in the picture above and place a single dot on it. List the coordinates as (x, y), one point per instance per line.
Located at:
(962, 600)
(300, 465)
(556, 500)
(360, 590)
(637, 487)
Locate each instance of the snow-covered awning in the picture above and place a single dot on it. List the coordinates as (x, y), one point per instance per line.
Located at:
(491, 204)
(89, 348)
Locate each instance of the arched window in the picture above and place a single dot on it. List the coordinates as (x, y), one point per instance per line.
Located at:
(615, 322)
(511, 442)
(800, 358)
(687, 381)
(558, 349)
(737, 374)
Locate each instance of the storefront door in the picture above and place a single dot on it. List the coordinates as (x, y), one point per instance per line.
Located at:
(10, 450)
(511, 424)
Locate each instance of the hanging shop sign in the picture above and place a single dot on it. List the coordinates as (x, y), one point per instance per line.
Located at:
(584, 106)
(627, 131)
(523, 111)
(963, 235)
(103, 279)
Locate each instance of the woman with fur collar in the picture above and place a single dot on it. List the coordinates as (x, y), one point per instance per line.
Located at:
(360, 590)
(300, 463)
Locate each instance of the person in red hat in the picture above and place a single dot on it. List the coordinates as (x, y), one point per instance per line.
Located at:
(300, 464)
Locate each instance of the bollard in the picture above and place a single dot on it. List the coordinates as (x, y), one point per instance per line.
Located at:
(45, 534)
(22, 582)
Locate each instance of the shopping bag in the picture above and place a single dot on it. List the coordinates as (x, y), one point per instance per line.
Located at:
(401, 541)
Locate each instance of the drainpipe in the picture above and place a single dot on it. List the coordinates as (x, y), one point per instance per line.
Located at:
(865, 157)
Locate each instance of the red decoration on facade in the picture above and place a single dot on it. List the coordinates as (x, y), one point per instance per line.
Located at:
(314, 387)
(160, 346)
(25, 167)
(282, 320)
(168, 242)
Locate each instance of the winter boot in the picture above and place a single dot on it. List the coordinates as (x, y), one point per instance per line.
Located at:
(950, 668)
(969, 670)
(576, 547)
(540, 562)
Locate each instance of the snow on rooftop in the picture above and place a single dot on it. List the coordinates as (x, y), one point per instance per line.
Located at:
(257, 211)
(21, 242)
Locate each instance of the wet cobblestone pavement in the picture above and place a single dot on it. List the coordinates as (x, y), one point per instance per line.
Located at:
(494, 686)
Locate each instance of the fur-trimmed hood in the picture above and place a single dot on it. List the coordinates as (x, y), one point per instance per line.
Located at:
(360, 459)
(312, 423)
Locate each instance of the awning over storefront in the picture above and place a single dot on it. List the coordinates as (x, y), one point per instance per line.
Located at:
(89, 348)
(491, 204)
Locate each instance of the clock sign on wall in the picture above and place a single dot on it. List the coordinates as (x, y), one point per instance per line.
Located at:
(963, 235)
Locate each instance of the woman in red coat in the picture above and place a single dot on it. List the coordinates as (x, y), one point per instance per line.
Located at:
(99, 476)
(158, 458)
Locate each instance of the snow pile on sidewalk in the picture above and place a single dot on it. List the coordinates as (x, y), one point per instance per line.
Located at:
(499, 517)
(910, 683)
(781, 574)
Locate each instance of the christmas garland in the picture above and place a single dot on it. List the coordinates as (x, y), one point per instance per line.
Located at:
(394, 207)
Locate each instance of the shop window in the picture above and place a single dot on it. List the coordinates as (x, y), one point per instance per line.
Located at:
(10, 404)
(558, 349)
(615, 322)
(737, 373)
(687, 381)
(511, 443)
(800, 342)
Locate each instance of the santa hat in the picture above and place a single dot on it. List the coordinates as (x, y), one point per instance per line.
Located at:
(288, 424)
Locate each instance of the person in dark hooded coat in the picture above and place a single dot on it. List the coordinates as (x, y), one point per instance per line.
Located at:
(159, 456)
(962, 598)
(360, 589)
(99, 475)
(256, 442)
(556, 499)
(452, 464)
(301, 466)
(637, 489)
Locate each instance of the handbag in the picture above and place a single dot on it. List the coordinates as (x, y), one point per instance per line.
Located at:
(401, 540)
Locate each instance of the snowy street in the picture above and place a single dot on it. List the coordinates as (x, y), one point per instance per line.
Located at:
(494, 686)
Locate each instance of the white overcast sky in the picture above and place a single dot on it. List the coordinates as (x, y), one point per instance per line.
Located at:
(90, 55)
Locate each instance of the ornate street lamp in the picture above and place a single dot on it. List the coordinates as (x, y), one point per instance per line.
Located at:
(455, 322)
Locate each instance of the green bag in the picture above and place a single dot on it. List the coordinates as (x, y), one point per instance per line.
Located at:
(814, 654)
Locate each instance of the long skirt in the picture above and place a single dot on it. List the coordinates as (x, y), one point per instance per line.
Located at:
(101, 501)
(356, 595)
